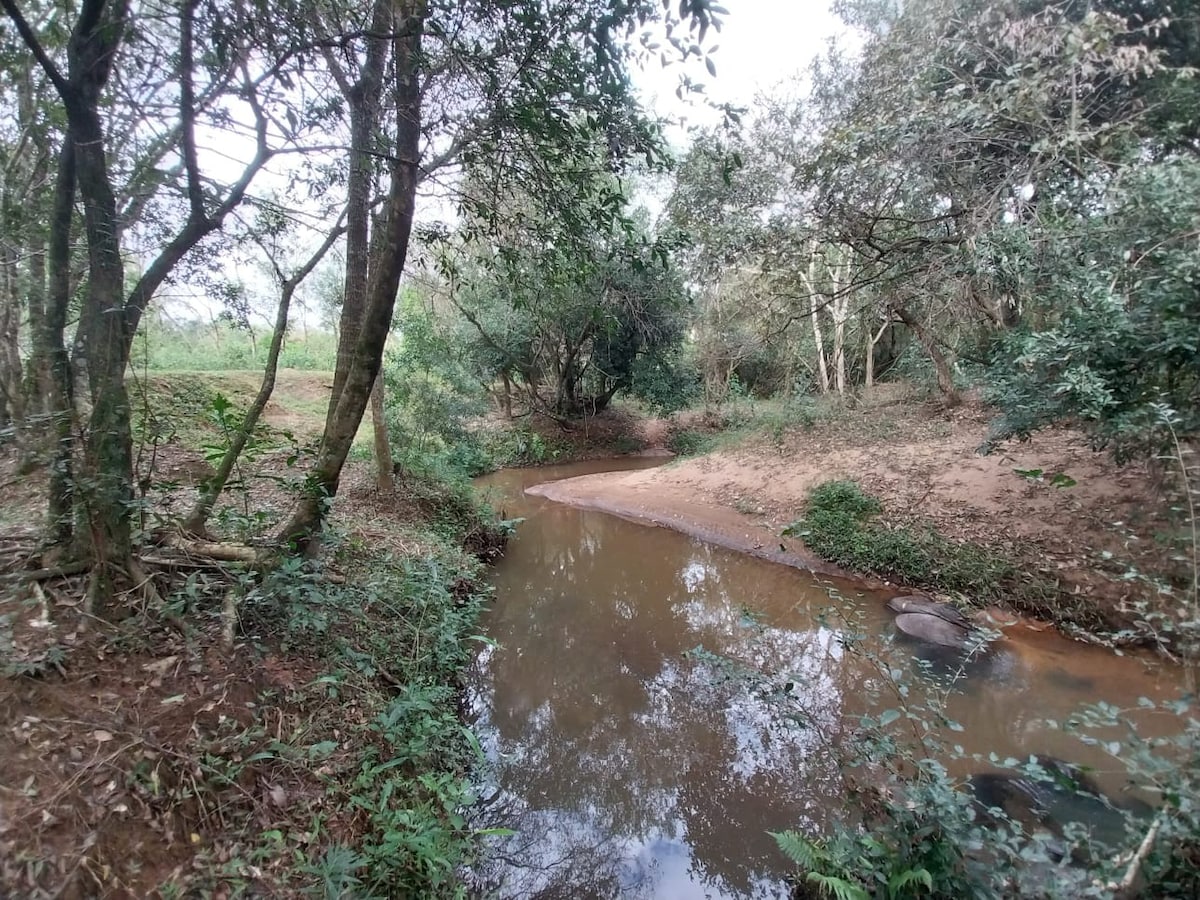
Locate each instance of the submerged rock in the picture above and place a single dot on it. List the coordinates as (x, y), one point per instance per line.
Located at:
(937, 630)
(916, 604)
(1064, 796)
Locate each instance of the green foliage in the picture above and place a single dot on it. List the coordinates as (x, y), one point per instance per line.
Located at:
(689, 442)
(573, 318)
(432, 395)
(840, 525)
(520, 445)
(163, 345)
(666, 382)
(1121, 350)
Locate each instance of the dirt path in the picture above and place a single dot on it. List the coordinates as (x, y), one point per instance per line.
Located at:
(924, 466)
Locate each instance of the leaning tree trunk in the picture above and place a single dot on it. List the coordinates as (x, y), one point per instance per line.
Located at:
(304, 524)
(197, 518)
(363, 99)
(941, 368)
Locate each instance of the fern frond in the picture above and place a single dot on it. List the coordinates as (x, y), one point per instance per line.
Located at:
(838, 888)
(901, 880)
(805, 854)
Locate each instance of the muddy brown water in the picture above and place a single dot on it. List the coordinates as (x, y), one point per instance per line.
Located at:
(625, 764)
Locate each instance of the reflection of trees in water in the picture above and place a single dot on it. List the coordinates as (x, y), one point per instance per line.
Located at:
(623, 764)
(629, 767)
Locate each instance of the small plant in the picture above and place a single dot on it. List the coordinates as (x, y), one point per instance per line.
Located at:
(689, 442)
(841, 525)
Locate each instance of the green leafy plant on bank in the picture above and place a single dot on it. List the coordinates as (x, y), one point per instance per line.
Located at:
(841, 525)
(375, 764)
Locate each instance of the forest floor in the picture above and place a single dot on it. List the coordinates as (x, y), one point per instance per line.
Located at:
(146, 757)
(1101, 535)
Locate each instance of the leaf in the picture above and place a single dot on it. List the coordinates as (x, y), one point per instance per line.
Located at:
(1062, 480)
(839, 888)
(907, 877)
(888, 716)
(712, 69)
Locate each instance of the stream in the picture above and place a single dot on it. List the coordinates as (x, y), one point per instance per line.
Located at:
(623, 764)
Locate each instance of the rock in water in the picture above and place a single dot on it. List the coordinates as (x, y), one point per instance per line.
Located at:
(936, 630)
(915, 604)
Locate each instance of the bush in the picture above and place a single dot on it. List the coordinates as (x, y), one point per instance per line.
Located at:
(1119, 354)
(839, 526)
(689, 442)
(666, 383)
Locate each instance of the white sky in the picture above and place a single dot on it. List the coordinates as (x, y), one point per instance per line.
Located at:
(761, 43)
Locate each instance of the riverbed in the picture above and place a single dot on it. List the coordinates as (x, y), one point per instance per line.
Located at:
(629, 704)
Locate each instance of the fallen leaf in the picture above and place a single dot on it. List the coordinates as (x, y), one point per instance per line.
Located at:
(160, 667)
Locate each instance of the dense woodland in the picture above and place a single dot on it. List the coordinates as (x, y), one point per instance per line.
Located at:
(447, 205)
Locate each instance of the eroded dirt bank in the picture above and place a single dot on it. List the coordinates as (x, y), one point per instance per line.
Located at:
(924, 465)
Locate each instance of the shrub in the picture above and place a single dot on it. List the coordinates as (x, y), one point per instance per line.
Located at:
(840, 526)
(689, 442)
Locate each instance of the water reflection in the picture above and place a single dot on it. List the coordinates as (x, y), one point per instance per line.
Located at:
(628, 764)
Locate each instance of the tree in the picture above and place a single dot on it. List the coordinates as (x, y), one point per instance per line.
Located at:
(576, 314)
(523, 88)
(100, 492)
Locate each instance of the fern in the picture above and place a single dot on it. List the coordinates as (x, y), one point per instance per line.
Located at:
(838, 888)
(802, 852)
(901, 880)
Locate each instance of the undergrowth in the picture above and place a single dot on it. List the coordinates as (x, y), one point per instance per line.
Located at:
(331, 761)
(379, 743)
(841, 524)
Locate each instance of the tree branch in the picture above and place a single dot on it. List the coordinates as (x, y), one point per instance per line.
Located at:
(35, 47)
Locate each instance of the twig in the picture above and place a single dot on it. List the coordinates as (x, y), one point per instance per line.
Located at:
(64, 571)
(1124, 888)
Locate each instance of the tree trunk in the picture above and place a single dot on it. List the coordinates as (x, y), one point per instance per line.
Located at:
(822, 367)
(106, 482)
(384, 467)
(507, 399)
(197, 518)
(839, 309)
(36, 388)
(11, 399)
(869, 378)
(839, 348)
(305, 522)
(941, 368)
(50, 352)
(363, 98)
(810, 281)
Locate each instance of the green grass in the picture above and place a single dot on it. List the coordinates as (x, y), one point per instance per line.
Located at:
(842, 525)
